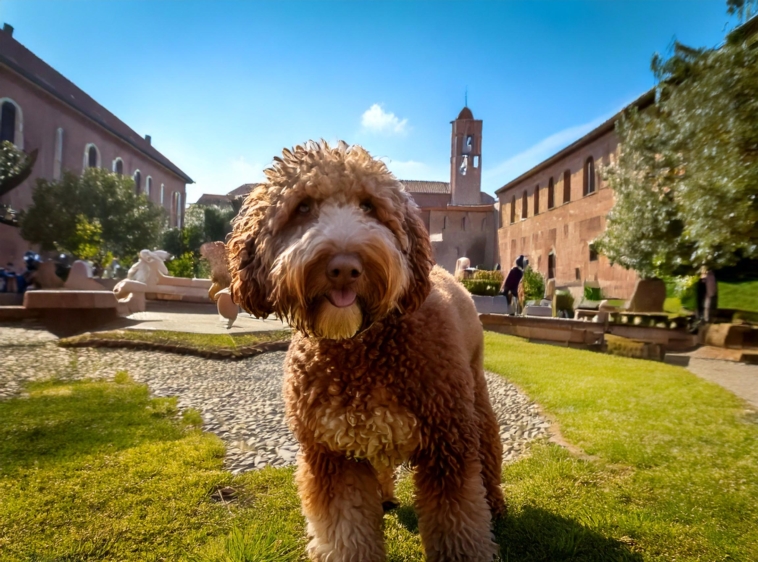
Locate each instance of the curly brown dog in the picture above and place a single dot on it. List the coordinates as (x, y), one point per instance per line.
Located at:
(385, 365)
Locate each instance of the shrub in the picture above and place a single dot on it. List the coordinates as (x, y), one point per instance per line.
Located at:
(489, 275)
(183, 266)
(534, 284)
(683, 288)
(482, 287)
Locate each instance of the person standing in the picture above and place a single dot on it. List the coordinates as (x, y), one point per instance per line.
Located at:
(510, 285)
(711, 296)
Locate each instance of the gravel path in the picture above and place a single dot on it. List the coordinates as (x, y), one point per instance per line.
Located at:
(240, 401)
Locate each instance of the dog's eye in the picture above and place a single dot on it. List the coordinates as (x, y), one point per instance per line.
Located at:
(304, 208)
(366, 206)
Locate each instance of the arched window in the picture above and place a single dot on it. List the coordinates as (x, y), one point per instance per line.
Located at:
(91, 156)
(137, 181)
(118, 166)
(589, 176)
(550, 194)
(444, 223)
(148, 186)
(11, 122)
(524, 205)
(567, 186)
(484, 224)
(163, 188)
(537, 200)
(513, 209)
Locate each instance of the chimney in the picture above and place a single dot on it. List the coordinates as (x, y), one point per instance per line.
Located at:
(8, 28)
(148, 139)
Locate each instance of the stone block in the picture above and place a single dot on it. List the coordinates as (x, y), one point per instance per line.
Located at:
(649, 296)
(62, 299)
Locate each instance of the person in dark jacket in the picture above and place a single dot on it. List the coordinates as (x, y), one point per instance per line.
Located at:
(509, 288)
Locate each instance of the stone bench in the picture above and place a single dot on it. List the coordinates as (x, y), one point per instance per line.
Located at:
(65, 313)
(62, 299)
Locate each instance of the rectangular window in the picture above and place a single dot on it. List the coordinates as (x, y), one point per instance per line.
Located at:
(476, 161)
(58, 160)
(593, 253)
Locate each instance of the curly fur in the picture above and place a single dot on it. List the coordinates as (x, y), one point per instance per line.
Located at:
(394, 377)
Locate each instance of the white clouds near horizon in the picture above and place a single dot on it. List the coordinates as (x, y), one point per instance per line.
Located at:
(376, 120)
(413, 170)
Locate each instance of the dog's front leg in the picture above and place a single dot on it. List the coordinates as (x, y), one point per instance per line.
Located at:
(342, 503)
(453, 515)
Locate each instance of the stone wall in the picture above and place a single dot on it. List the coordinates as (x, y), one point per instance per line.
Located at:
(451, 240)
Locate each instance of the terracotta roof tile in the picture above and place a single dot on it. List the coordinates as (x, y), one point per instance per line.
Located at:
(421, 186)
(244, 189)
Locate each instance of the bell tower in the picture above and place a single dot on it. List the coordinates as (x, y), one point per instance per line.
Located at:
(466, 159)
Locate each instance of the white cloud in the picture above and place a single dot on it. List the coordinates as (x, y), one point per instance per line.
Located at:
(376, 120)
(413, 170)
(221, 179)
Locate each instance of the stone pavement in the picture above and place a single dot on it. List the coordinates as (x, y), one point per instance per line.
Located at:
(739, 378)
(240, 401)
(197, 319)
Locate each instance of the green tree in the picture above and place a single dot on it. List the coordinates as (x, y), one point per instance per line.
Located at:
(686, 180)
(96, 208)
(201, 224)
(15, 167)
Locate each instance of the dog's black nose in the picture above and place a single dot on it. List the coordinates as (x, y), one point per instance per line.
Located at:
(344, 268)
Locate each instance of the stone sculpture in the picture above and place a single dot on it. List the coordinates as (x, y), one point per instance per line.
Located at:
(461, 267)
(149, 278)
(80, 278)
(215, 253)
(226, 307)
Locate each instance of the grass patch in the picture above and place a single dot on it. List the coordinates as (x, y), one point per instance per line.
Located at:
(206, 342)
(100, 471)
(207, 345)
(742, 295)
(676, 469)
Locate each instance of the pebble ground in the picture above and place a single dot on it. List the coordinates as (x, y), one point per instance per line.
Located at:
(240, 401)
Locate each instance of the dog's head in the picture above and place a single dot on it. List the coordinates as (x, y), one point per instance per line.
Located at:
(330, 242)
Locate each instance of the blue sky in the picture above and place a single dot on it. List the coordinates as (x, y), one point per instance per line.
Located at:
(223, 86)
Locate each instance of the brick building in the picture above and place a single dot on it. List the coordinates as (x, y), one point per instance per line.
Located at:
(461, 220)
(553, 212)
(41, 109)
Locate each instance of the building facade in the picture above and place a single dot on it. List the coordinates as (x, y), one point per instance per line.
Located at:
(460, 218)
(553, 212)
(42, 110)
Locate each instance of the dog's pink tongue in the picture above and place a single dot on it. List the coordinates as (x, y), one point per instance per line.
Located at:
(342, 297)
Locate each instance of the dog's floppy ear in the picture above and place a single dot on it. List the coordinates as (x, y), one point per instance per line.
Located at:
(248, 272)
(420, 259)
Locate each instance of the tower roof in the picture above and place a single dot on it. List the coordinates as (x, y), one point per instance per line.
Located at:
(465, 113)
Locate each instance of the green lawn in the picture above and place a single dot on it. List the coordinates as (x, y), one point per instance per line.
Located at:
(202, 342)
(743, 295)
(663, 467)
(673, 469)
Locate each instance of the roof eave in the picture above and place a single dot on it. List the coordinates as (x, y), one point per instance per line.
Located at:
(641, 102)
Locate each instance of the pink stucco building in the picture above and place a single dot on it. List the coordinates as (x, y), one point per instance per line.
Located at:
(40, 109)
